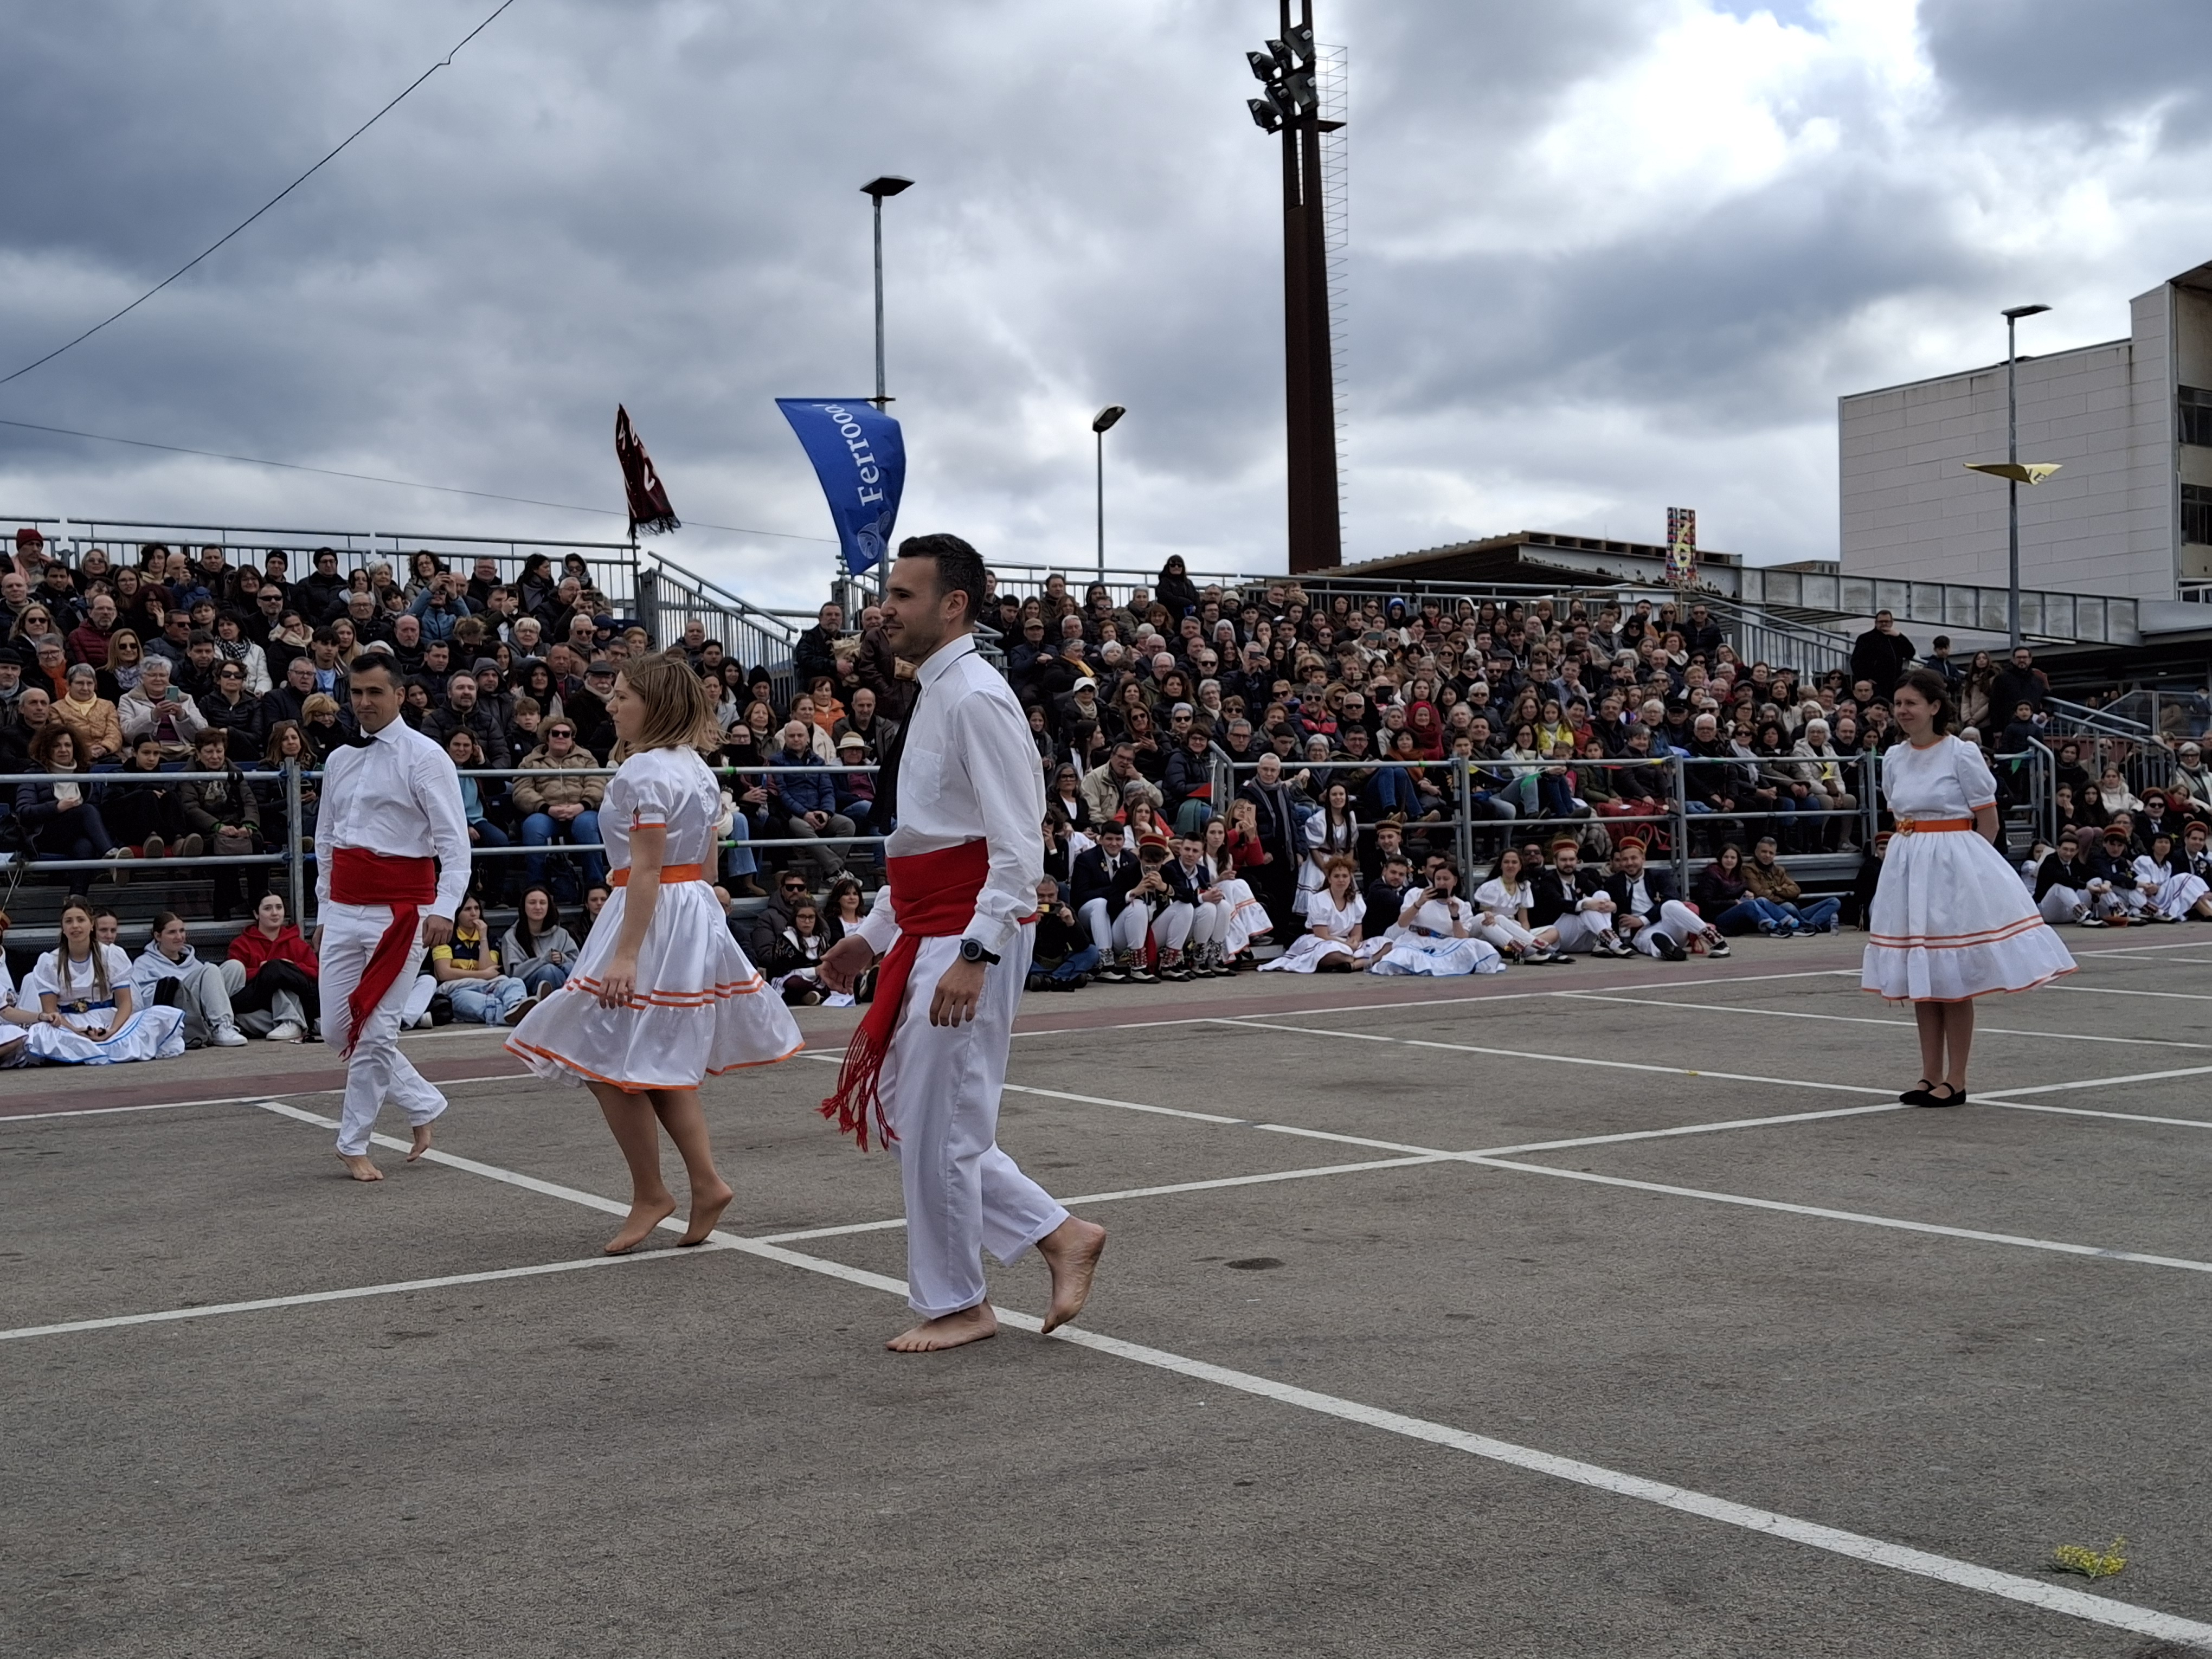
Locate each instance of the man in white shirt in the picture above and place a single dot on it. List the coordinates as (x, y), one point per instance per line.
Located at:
(963, 785)
(390, 804)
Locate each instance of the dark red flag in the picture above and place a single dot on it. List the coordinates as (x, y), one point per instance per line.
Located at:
(649, 510)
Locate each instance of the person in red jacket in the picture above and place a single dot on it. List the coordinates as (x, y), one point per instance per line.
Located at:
(272, 975)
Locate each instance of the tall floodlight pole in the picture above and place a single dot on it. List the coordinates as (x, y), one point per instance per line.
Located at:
(1101, 424)
(2012, 458)
(1290, 105)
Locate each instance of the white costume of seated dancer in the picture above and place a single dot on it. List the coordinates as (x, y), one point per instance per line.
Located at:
(2168, 888)
(1305, 954)
(1503, 931)
(151, 1033)
(1423, 943)
(968, 773)
(398, 795)
(1111, 933)
(1667, 919)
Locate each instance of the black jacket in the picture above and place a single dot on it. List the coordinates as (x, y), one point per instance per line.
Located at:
(2055, 872)
(1658, 885)
(1093, 879)
(1555, 897)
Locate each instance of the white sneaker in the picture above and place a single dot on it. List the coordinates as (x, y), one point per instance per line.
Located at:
(287, 1031)
(422, 1021)
(227, 1036)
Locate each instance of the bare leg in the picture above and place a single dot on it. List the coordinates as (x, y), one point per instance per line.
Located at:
(631, 1120)
(1071, 1250)
(1929, 1016)
(1958, 1039)
(950, 1330)
(359, 1167)
(679, 1113)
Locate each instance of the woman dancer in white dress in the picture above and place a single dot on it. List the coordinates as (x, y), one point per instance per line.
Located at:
(1949, 921)
(1332, 942)
(1246, 916)
(1330, 834)
(661, 998)
(1434, 934)
(85, 988)
(1501, 916)
(2170, 890)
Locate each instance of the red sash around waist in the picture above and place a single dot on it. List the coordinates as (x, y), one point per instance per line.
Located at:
(359, 876)
(933, 894)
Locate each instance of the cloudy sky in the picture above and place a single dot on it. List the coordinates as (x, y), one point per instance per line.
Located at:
(1604, 255)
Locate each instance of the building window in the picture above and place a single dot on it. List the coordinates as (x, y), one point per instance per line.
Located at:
(2197, 415)
(2196, 514)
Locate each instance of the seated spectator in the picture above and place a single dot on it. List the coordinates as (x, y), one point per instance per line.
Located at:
(2170, 890)
(59, 820)
(557, 806)
(167, 974)
(1573, 902)
(807, 808)
(287, 745)
(855, 791)
(1245, 917)
(1105, 875)
(1195, 919)
(595, 900)
(467, 969)
(1063, 958)
(2061, 884)
(271, 975)
(1502, 921)
(219, 807)
(536, 949)
(2115, 891)
(93, 719)
(138, 802)
(1647, 913)
(235, 709)
(1434, 935)
(91, 1015)
(1333, 942)
(159, 709)
(763, 937)
(467, 754)
(1769, 881)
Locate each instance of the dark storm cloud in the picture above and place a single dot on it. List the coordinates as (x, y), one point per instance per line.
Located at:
(2036, 60)
(657, 203)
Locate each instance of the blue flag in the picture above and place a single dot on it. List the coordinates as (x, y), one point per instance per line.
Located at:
(860, 459)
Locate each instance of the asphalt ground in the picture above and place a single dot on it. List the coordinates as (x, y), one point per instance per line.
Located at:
(1609, 1310)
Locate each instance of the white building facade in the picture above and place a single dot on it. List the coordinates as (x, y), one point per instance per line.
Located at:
(2128, 515)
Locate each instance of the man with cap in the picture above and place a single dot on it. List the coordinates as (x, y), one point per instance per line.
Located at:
(11, 677)
(1574, 901)
(2062, 883)
(855, 791)
(587, 705)
(925, 1068)
(1646, 909)
(2114, 893)
(2191, 785)
(30, 554)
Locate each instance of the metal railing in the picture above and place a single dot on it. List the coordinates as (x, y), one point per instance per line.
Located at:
(2086, 617)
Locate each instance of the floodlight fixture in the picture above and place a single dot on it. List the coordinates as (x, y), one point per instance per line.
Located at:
(889, 184)
(1301, 43)
(2015, 312)
(1264, 68)
(1264, 115)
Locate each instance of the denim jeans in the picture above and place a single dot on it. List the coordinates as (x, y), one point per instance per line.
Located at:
(543, 829)
(1748, 914)
(739, 860)
(485, 1002)
(545, 976)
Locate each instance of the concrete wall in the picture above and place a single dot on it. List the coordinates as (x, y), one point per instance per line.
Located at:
(2103, 524)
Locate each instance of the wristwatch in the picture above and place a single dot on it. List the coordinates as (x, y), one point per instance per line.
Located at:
(971, 952)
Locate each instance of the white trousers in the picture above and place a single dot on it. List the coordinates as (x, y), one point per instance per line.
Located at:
(1110, 934)
(378, 1071)
(1579, 929)
(1504, 934)
(1674, 918)
(2062, 904)
(940, 1090)
(1196, 925)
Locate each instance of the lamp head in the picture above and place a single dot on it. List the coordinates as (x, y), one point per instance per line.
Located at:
(1106, 417)
(889, 185)
(1264, 115)
(2017, 312)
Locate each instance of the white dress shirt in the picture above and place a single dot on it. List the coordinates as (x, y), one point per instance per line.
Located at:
(969, 772)
(397, 794)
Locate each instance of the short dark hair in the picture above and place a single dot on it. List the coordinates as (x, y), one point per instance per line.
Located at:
(377, 660)
(959, 567)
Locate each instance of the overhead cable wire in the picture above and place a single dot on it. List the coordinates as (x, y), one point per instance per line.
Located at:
(402, 484)
(441, 63)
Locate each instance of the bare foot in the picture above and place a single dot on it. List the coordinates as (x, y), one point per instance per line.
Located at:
(708, 1203)
(644, 1216)
(952, 1331)
(359, 1167)
(421, 1142)
(1071, 1250)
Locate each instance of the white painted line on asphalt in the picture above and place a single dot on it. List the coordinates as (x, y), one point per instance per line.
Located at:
(1865, 1020)
(1073, 1199)
(6, 1118)
(1860, 1218)
(2145, 956)
(1258, 1025)
(1964, 1574)
(2127, 950)
(2084, 1111)
(1086, 1100)
(169, 1315)
(2117, 991)
(2001, 1096)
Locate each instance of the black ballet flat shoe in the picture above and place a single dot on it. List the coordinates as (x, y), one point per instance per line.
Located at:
(1953, 1097)
(1919, 1096)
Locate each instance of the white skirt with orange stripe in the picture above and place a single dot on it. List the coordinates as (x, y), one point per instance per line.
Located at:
(1951, 921)
(699, 1007)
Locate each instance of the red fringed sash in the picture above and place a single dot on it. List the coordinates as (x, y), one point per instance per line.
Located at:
(361, 877)
(933, 894)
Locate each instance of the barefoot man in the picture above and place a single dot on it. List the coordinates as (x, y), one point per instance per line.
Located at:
(925, 1067)
(390, 804)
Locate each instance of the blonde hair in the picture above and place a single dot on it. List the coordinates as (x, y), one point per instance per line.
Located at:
(679, 709)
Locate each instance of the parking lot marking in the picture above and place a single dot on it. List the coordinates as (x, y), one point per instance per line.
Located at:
(6, 1118)
(1867, 1019)
(2002, 1096)
(2031, 1592)
(2117, 991)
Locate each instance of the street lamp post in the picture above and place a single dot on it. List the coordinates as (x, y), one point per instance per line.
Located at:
(1100, 424)
(2012, 458)
(875, 190)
